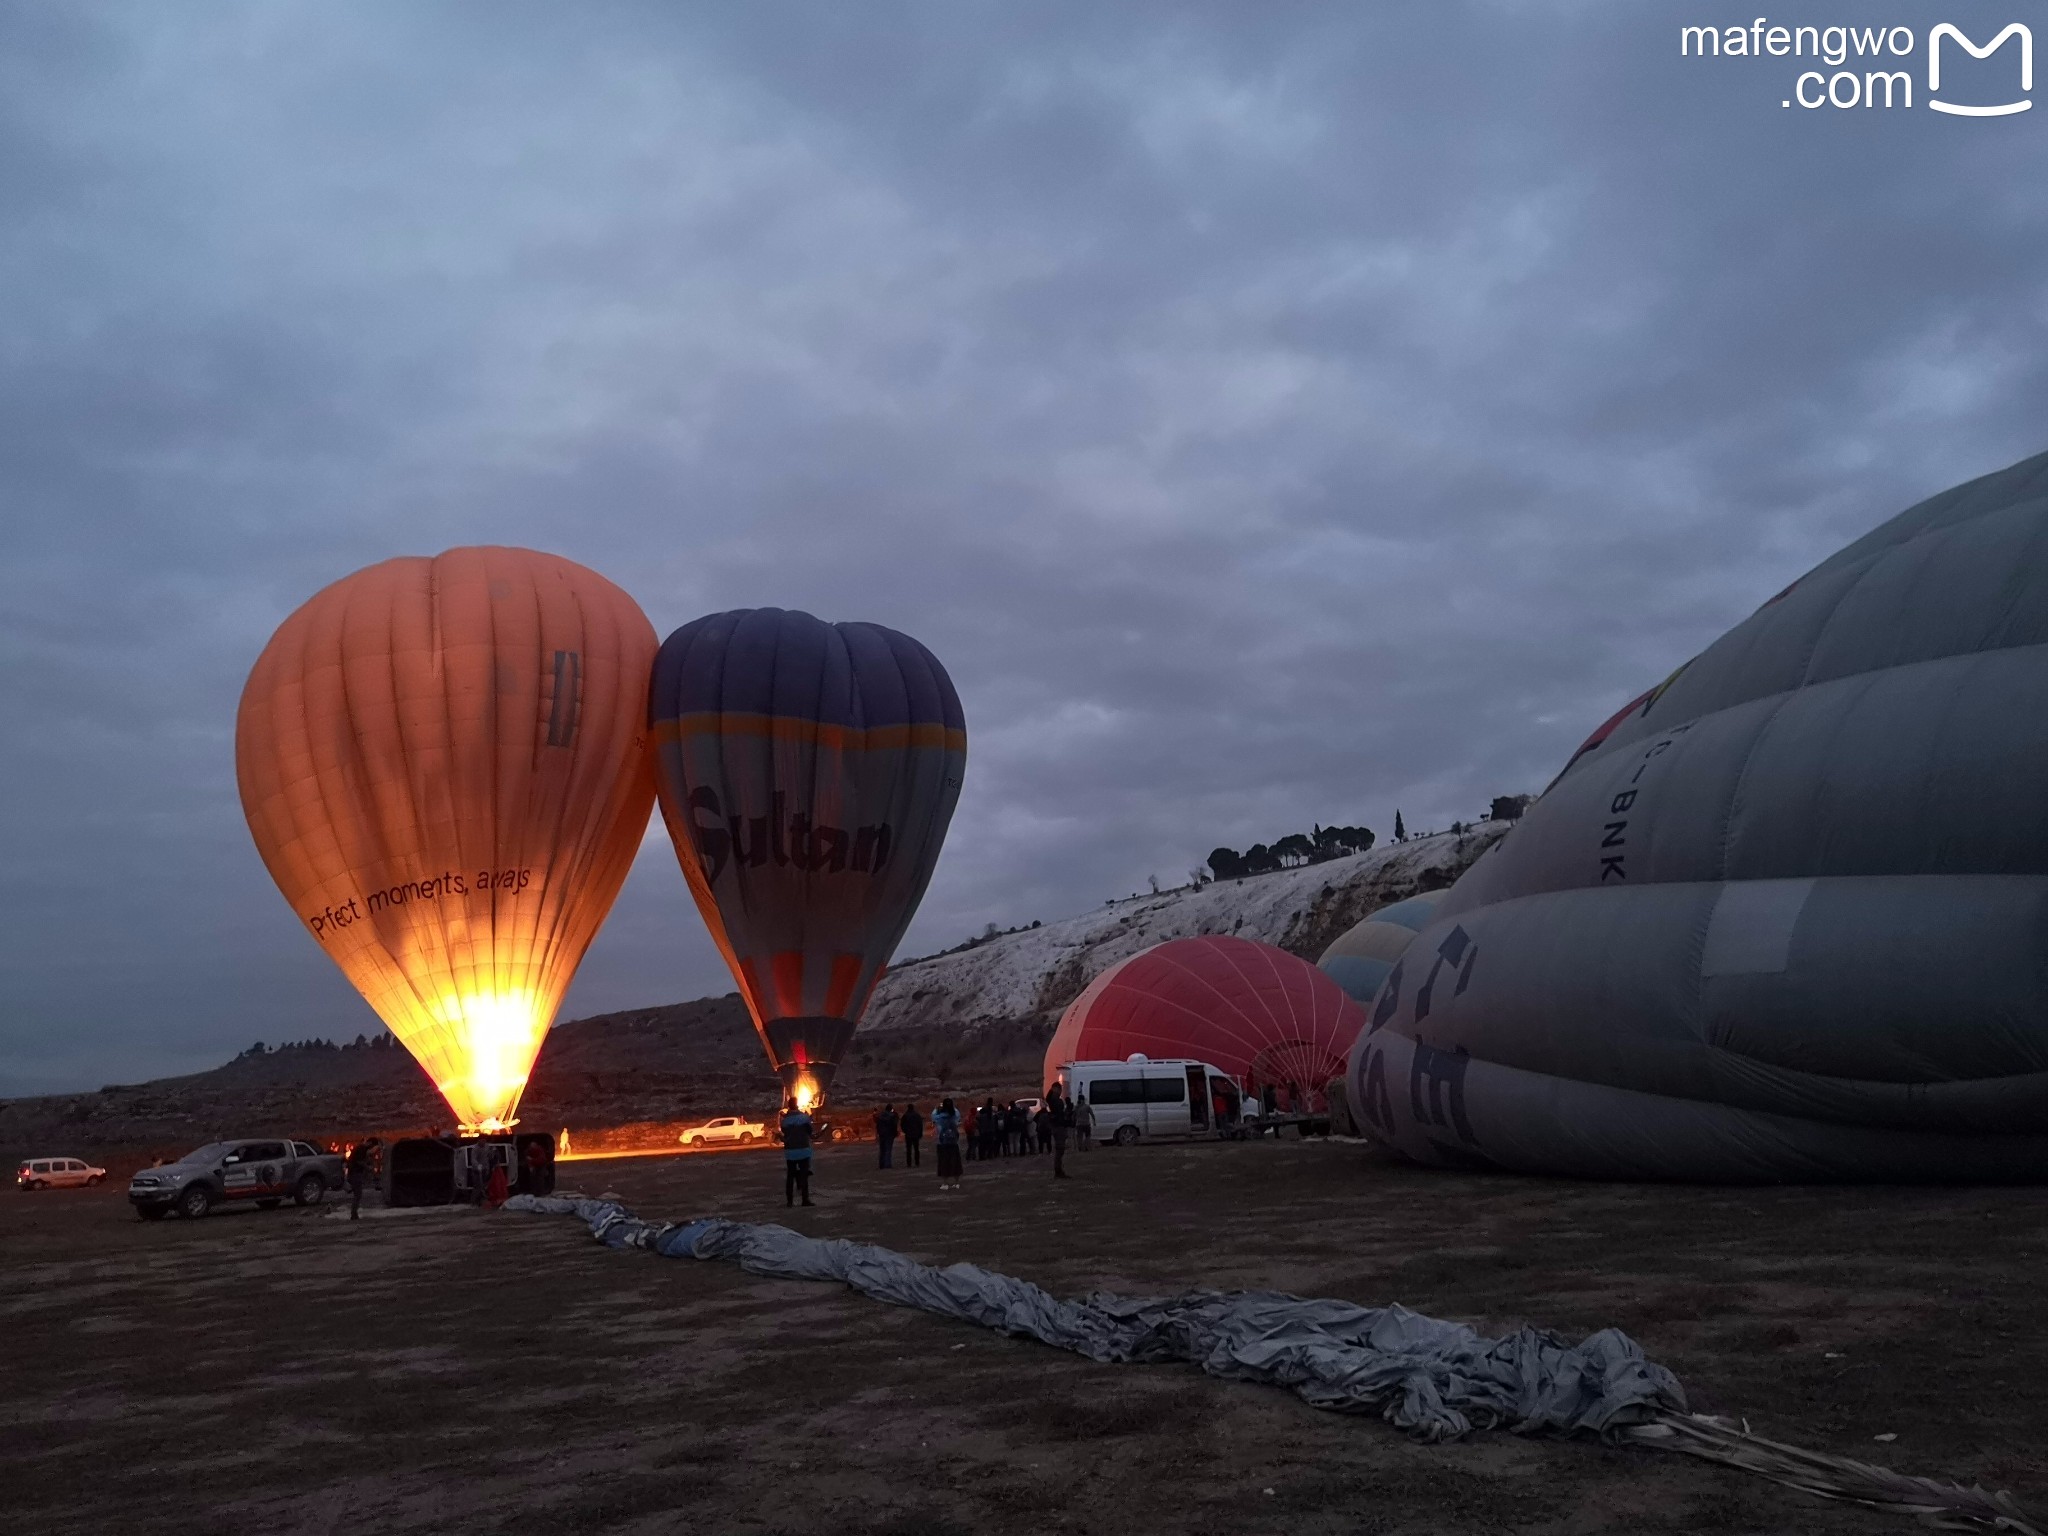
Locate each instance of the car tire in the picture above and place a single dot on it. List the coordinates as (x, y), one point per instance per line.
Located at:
(195, 1202)
(32, 1184)
(95, 1181)
(693, 1141)
(745, 1137)
(311, 1191)
(152, 1212)
(1126, 1136)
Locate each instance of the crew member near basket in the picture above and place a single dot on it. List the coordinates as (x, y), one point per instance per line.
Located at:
(796, 1154)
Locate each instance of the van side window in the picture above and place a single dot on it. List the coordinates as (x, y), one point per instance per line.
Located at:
(1117, 1090)
(1166, 1090)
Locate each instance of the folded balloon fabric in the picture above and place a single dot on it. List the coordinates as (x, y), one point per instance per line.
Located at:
(1435, 1379)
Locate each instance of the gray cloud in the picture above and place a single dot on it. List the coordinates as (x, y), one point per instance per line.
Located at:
(1268, 415)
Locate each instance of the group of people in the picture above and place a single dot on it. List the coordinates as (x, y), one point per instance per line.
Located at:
(984, 1132)
(989, 1130)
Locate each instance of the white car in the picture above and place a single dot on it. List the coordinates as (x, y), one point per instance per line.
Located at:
(57, 1173)
(725, 1130)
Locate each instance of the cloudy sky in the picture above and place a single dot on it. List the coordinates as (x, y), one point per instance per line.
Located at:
(1270, 413)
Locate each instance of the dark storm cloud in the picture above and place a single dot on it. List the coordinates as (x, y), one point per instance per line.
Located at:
(1269, 414)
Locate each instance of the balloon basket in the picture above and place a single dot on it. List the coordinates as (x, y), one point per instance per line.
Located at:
(450, 1170)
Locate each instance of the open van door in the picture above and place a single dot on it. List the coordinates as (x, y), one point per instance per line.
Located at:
(1198, 1099)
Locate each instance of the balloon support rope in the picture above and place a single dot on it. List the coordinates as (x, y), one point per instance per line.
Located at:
(1435, 1379)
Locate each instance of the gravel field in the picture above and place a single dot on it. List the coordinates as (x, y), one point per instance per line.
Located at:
(456, 1371)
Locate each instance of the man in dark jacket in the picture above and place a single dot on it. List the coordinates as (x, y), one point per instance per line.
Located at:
(1060, 1117)
(885, 1132)
(913, 1135)
(796, 1154)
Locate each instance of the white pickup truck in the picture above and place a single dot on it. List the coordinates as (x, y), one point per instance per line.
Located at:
(726, 1130)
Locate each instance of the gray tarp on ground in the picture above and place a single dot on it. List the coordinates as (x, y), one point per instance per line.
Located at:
(1436, 1380)
(1786, 915)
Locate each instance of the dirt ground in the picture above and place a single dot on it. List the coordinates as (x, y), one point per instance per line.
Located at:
(456, 1371)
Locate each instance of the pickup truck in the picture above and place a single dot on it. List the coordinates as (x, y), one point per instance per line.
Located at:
(255, 1172)
(730, 1130)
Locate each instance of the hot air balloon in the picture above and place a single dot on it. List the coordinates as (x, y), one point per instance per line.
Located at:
(1362, 956)
(1785, 916)
(1260, 1014)
(444, 765)
(807, 772)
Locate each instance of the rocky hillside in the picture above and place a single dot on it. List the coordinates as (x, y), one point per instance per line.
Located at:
(1026, 975)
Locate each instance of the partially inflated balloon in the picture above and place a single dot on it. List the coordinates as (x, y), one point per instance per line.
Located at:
(1785, 916)
(444, 765)
(1363, 955)
(1262, 1015)
(807, 773)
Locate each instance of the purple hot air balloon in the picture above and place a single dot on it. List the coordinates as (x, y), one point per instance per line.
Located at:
(807, 773)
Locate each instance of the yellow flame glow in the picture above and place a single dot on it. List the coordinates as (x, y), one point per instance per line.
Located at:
(805, 1093)
(480, 1047)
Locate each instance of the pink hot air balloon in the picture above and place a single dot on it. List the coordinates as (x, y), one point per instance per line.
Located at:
(1265, 1017)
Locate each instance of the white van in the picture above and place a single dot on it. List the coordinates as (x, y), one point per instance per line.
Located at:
(1143, 1097)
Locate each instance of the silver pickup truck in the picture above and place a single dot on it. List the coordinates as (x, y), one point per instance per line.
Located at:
(256, 1172)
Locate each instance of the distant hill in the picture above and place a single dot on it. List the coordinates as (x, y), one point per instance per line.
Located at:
(1030, 973)
(973, 1020)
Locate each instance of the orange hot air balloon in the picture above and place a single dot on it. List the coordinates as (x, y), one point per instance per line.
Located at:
(444, 763)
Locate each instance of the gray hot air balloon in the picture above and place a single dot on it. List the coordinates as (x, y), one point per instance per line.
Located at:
(1785, 917)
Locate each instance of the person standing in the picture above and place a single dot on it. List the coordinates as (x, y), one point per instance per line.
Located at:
(796, 1154)
(1042, 1123)
(913, 1135)
(991, 1129)
(885, 1132)
(362, 1167)
(1084, 1123)
(1059, 1119)
(971, 1130)
(946, 1131)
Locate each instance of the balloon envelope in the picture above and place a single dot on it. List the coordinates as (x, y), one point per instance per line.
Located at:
(1362, 956)
(1783, 917)
(443, 762)
(807, 773)
(1262, 1015)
